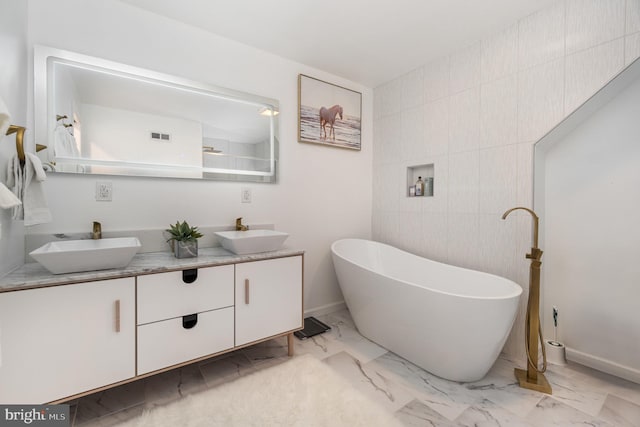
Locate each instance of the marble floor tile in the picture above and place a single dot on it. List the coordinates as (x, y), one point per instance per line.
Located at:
(593, 379)
(109, 406)
(417, 414)
(372, 380)
(342, 335)
(581, 396)
(620, 412)
(225, 368)
(487, 413)
(551, 412)
(172, 385)
(574, 392)
(320, 346)
(500, 386)
(267, 353)
(448, 398)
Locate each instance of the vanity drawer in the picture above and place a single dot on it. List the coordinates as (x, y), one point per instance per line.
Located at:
(169, 342)
(167, 295)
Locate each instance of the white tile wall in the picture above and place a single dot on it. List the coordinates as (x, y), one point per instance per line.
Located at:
(463, 186)
(436, 127)
(540, 99)
(524, 178)
(541, 36)
(499, 112)
(436, 79)
(591, 22)
(386, 182)
(497, 243)
(411, 232)
(499, 56)
(633, 16)
(412, 133)
(439, 203)
(475, 114)
(464, 120)
(462, 240)
(465, 69)
(434, 236)
(413, 89)
(589, 70)
(498, 172)
(631, 48)
(390, 130)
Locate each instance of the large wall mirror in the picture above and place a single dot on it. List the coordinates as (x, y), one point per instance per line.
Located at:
(101, 117)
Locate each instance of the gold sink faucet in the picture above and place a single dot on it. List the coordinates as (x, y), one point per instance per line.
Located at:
(97, 230)
(239, 226)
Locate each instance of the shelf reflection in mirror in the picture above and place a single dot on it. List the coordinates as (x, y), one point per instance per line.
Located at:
(102, 117)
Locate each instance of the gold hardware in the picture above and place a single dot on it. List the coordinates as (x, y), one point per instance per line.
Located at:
(117, 307)
(97, 231)
(239, 226)
(246, 291)
(533, 378)
(19, 131)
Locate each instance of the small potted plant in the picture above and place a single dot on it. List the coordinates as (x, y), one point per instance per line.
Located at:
(184, 239)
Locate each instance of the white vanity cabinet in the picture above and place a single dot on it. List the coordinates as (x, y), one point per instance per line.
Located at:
(61, 341)
(184, 315)
(268, 298)
(64, 340)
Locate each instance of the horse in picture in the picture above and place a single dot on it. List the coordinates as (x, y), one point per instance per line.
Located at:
(328, 116)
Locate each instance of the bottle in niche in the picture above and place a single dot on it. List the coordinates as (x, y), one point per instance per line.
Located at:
(420, 187)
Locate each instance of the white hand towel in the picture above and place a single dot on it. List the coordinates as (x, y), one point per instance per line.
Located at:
(27, 186)
(7, 198)
(35, 204)
(5, 119)
(15, 181)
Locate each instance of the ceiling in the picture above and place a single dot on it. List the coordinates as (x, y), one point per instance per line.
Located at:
(366, 41)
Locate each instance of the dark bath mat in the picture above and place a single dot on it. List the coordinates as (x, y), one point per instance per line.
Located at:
(312, 326)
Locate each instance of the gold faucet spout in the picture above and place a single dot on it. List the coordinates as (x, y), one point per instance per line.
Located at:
(239, 226)
(535, 223)
(97, 231)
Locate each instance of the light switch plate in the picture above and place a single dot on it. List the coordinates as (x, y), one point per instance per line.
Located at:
(104, 191)
(245, 195)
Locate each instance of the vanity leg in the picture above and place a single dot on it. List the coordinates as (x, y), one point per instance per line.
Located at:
(290, 344)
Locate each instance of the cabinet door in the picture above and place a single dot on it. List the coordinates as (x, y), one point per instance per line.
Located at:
(268, 298)
(59, 341)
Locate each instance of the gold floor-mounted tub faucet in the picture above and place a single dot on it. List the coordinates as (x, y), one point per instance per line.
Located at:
(533, 378)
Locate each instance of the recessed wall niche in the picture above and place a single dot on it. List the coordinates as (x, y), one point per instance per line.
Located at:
(427, 173)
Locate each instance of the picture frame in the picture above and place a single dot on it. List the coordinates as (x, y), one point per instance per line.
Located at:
(329, 114)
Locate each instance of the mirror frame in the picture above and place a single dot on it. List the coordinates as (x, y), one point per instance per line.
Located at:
(45, 122)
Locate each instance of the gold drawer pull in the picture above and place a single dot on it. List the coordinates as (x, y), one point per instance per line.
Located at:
(246, 291)
(117, 315)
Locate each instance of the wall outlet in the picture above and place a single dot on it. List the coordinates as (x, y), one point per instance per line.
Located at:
(104, 191)
(245, 195)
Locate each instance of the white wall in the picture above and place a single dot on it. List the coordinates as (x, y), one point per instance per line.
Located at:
(310, 200)
(591, 205)
(13, 89)
(475, 115)
(105, 129)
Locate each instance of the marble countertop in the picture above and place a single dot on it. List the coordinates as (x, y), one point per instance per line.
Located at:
(33, 275)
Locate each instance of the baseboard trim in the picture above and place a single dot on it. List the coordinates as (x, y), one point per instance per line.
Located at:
(604, 365)
(325, 309)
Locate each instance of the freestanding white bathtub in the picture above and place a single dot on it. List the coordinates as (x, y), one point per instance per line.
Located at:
(450, 321)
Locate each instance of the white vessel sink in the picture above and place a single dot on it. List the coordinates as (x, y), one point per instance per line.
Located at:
(251, 241)
(72, 256)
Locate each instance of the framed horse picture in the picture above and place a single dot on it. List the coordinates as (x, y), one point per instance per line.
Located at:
(328, 114)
